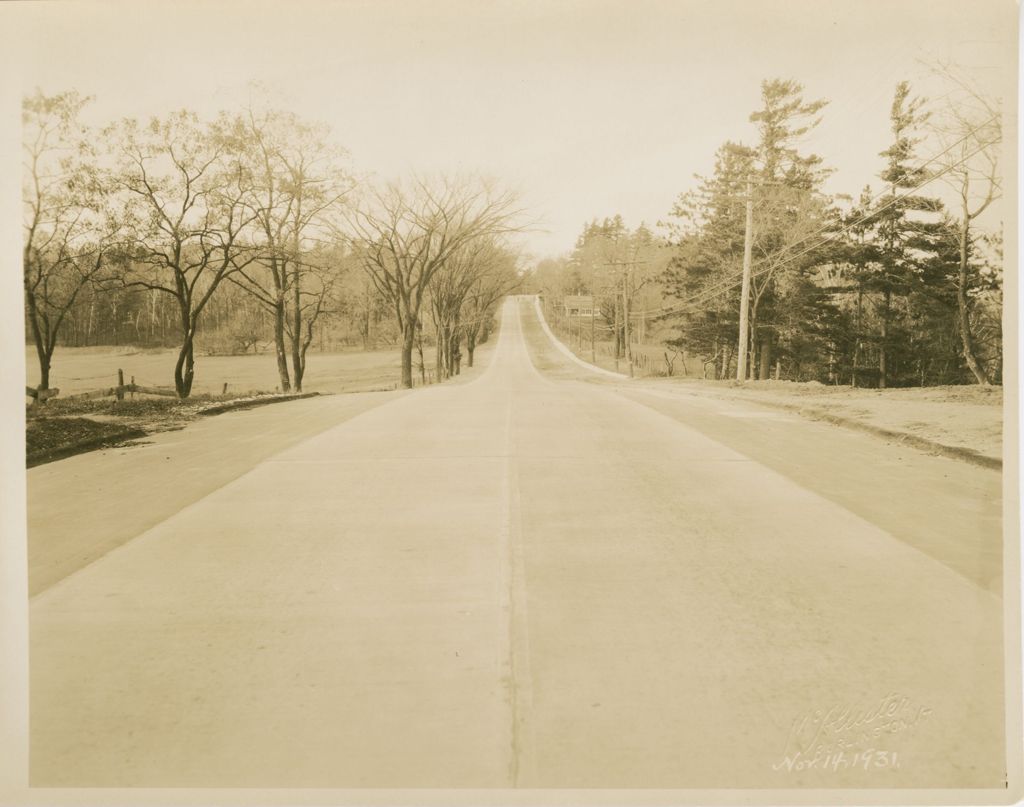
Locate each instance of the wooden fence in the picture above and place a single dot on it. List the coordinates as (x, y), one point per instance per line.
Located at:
(117, 391)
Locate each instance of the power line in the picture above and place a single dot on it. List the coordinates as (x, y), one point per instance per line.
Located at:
(861, 220)
(882, 194)
(730, 283)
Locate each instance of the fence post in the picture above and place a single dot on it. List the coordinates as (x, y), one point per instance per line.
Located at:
(133, 388)
(120, 385)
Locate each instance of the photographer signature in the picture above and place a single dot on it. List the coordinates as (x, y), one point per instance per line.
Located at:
(846, 736)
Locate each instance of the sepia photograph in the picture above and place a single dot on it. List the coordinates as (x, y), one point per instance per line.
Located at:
(478, 402)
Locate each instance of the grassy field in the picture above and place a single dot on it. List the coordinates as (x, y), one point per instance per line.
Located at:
(64, 426)
(83, 369)
(67, 426)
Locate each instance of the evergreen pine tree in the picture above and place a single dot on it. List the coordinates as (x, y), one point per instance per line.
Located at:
(905, 239)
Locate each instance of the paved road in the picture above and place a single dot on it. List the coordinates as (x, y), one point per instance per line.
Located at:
(527, 581)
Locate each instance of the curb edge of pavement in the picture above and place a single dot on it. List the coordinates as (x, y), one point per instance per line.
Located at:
(251, 403)
(563, 348)
(961, 453)
(954, 452)
(969, 455)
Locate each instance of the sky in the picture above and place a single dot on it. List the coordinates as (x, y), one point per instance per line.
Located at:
(587, 109)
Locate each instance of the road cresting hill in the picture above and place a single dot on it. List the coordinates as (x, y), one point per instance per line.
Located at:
(565, 350)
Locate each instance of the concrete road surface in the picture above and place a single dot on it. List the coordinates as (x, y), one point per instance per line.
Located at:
(533, 581)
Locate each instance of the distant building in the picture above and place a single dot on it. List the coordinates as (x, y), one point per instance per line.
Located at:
(578, 305)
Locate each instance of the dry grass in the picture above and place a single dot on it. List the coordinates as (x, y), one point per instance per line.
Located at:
(83, 369)
(56, 437)
(62, 428)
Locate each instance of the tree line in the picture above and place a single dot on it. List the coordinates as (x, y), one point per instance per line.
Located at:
(247, 227)
(620, 269)
(899, 285)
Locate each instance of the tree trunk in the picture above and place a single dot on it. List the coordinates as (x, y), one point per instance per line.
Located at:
(280, 347)
(766, 357)
(419, 348)
(618, 341)
(298, 358)
(470, 347)
(42, 352)
(439, 348)
(408, 343)
(44, 370)
(625, 330)
(184, 369)
(456, 353)
(365, 328)
(963, 311)
(91, 322)
(752, 344)
(446, 352)
(45, 359)
(884, 340)
(113, 318)
(857, 334)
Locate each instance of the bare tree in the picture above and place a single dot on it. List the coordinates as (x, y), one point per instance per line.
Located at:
(447, 291)
(785, 220)
(970, 128)
(314, 287)
(67, 231)
(366, 307)
(501, 278)
(460, 298)
(405, 235)
(183, 194)
(297, 180)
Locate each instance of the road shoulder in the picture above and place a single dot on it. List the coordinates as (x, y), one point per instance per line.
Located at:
(82, 507)
(961, 423)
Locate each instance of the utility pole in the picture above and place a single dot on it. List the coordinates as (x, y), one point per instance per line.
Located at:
(625, 320)
(593, 358)
(615, 334)
(627, 267)
(748, 247)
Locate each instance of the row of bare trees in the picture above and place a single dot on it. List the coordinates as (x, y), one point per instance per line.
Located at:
(260, 201)
(443, 245)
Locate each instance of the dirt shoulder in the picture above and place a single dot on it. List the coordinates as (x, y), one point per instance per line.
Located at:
(968, 420)
(64, 428)
(963, 422)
